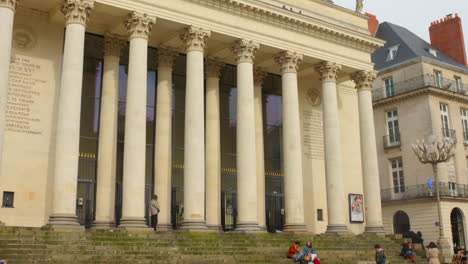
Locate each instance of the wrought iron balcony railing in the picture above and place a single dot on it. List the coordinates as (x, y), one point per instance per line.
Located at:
(427, 80)
(448, 133)
(424, 191)
(391, 141)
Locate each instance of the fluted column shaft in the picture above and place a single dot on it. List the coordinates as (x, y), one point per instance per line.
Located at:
(63, 212)
(133, 200)
(370, 170)
(259, 146)
(333, 156)
(107, 150)
(213, 146)
(194, 149)
(247, 218)
(163, 137)
(292, 153)
(7, 14)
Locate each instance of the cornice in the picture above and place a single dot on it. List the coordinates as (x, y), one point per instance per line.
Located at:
(428, 90)
(298, 23)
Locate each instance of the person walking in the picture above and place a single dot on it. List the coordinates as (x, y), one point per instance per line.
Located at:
(432, 253)
(154, 212)
(380, 257)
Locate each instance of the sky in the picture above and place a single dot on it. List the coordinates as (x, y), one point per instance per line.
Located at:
(415, 15)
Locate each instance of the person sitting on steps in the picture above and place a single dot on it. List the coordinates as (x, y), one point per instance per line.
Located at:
(295, 252)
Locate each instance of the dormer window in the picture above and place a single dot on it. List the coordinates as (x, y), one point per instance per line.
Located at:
(392, 52)
(433, 52)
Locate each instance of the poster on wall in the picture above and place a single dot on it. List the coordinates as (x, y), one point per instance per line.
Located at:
(356, 208)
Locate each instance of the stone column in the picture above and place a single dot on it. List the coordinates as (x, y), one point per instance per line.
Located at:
(163, 137)
(258, 101)
(370, 170)
(133, 201)
(213, 146)
(7, 13)
(337, 209)
(194, 152)
(247, 198)
(107, 150)
(63, 212)
(292, 152)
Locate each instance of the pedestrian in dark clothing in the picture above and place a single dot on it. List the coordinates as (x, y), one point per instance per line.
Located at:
(380, 257)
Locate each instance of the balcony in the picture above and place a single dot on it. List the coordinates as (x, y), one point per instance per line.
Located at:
(427, 80)
(423, 191)
(392, 141)
(449, 134)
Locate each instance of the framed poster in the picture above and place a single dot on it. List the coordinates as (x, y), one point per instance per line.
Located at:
(356, 208)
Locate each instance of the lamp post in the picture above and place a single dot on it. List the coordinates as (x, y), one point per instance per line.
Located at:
(434, 152)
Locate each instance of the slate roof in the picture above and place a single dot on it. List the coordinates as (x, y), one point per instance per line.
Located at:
(410, 47)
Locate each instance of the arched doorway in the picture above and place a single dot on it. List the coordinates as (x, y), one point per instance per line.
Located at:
(401, 223)
(458, 229)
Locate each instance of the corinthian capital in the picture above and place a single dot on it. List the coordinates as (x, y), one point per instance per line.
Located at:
(328, 71)
(77, 11)
(139, 25)
(244, 50)
(364, 79)
(195, 38)
(12, 4)
(259, 75)
(113, 44)
(166, 57)
(289, 61)
(213, 68)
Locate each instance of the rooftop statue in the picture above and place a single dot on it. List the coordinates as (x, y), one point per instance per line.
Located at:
(359, 5)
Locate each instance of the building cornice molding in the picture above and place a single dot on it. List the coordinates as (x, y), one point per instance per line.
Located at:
(295, 22)
(428, 90)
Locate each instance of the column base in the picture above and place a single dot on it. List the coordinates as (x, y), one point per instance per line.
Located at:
(337, 229)
(133, 223)
(248, 227)
(164, 227)
(295, 228)
(215, 228)
(63, 222)
(374, 230)
(103, 225)
(194, 226)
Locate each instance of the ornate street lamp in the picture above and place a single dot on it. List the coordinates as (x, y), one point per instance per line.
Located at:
(434, 152)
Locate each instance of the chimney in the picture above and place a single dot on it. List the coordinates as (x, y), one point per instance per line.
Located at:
(373, 24)
(447, 35)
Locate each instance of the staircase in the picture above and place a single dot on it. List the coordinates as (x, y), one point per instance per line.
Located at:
(34, 245)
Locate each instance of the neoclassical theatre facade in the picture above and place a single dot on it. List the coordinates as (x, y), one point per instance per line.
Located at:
(239, 114)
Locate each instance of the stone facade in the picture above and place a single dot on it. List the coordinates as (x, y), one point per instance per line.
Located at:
(321, 109)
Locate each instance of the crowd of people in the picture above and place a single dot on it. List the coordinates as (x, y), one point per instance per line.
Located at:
(307, 255)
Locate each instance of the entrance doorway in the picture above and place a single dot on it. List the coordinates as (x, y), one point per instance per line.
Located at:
(229, 209)
(85, 202)
(458, 229)
(401, 223)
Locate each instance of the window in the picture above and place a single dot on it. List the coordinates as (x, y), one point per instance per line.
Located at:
(438, 79)
(392, 52)
(458, 84)
(444, 115)
(397, 174)
(453, 189)
(389, 87)
(393, 128)
(319, 214)
(464, 119)
(8, 199)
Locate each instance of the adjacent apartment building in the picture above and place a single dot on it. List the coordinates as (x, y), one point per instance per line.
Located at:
(422, 89)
